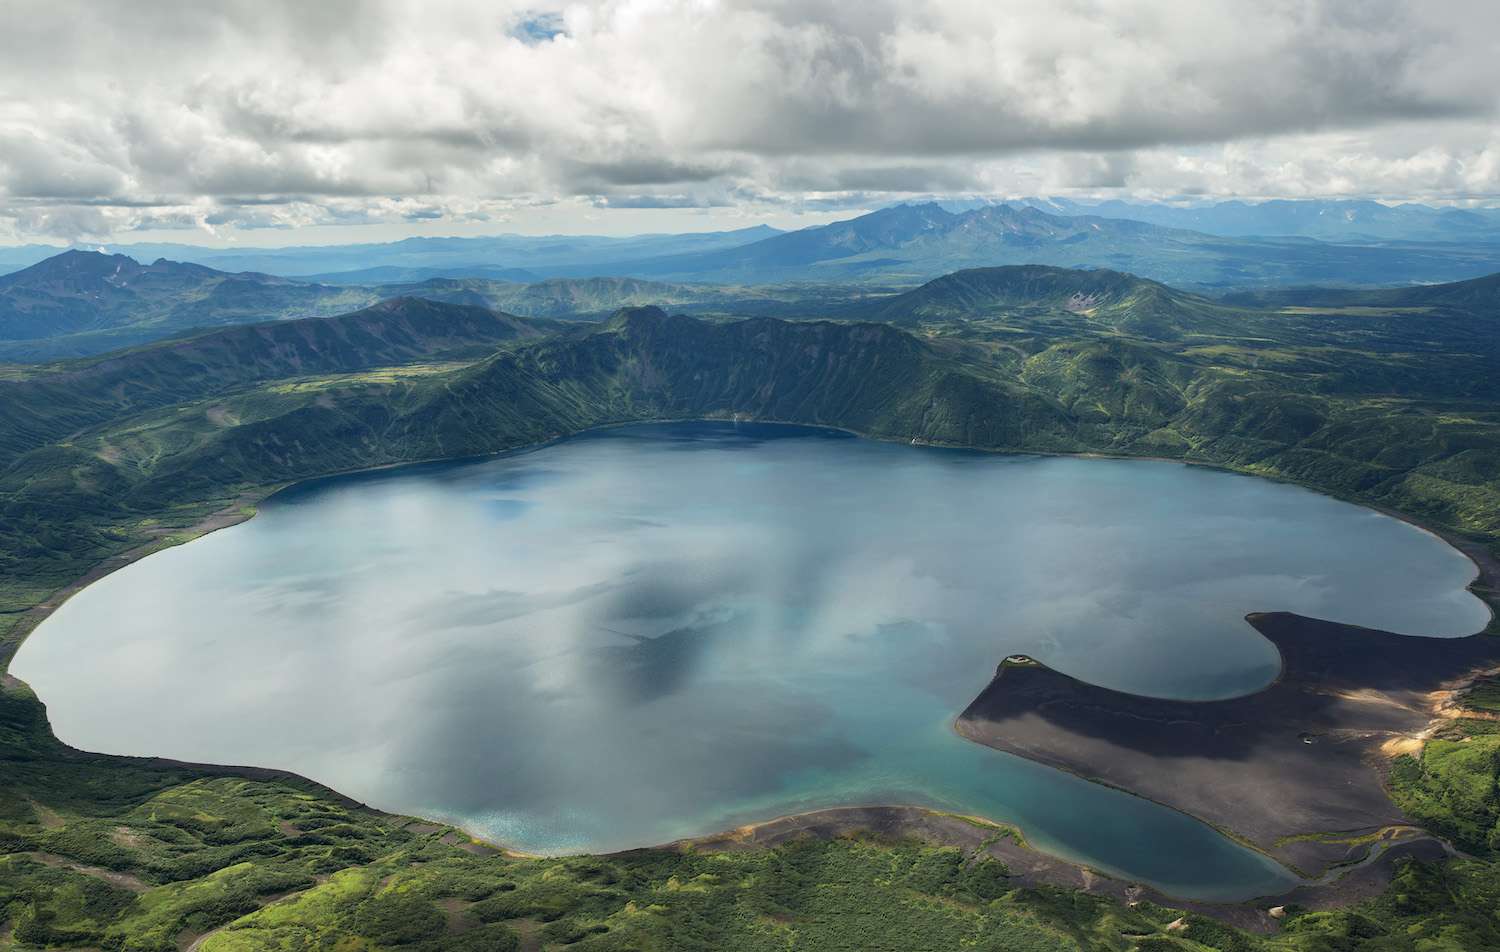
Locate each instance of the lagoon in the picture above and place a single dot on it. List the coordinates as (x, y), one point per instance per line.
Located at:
(658, 631)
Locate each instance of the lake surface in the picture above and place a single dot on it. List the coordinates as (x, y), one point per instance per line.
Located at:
(659, 631)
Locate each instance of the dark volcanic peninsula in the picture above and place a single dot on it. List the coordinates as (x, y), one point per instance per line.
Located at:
(1296, 769)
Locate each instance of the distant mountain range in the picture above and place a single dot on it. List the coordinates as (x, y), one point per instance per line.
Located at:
(1336, 220)
(504, 257)
(1216, 247)
(915, 242)
(85, 302)
(80, 303)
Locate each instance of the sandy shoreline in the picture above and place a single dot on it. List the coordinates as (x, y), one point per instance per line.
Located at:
(900, 820)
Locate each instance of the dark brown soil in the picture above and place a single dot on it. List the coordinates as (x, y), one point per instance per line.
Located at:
(1306, 756)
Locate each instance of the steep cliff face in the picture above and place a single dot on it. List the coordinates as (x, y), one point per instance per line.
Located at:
(647, 364)
(643, 364)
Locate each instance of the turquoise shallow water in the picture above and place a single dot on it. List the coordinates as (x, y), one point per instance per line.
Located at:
(661, 631)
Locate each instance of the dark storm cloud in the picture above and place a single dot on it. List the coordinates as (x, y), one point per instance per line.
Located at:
(661, 201)
(641, 170)
(815, 176)
(458, 104)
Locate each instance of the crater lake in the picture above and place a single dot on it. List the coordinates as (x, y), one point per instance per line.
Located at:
(660, 631)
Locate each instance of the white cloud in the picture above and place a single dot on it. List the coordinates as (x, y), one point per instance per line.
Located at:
(115, 116)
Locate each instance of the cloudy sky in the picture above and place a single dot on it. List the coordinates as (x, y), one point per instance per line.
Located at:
(253, 122)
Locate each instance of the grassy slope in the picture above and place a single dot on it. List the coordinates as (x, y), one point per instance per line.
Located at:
(47, 404)
(210, 849)
(1388, 407)
(1478, 295)
(557, 297)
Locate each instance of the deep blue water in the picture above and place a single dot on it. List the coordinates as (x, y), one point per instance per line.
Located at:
(659, 631)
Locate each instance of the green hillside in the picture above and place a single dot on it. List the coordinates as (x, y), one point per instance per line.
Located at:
(559, 297)
(1479, 297)
(1110, 300)
(46, 403)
